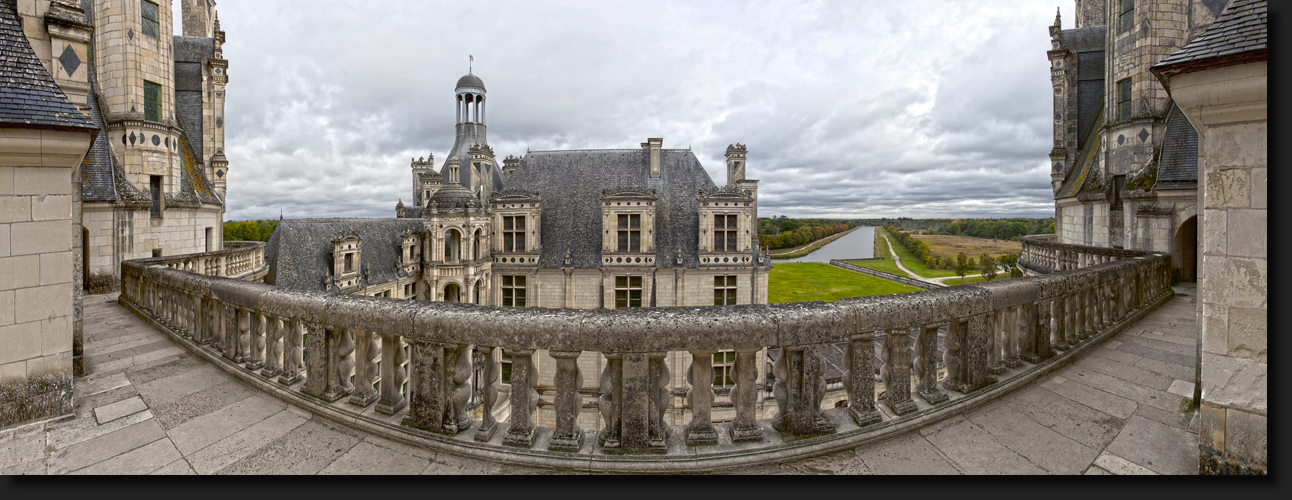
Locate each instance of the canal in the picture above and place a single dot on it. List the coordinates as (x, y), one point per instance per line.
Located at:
(859, 244)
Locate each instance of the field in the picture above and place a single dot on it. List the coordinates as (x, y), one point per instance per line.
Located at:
(908, 259)
(806, 281)
(974, 276)
(949, 246)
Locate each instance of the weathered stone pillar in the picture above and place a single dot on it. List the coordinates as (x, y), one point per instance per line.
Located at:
(429, 406)
(1036, 332)
(230, 334)
(642, 399)
(799, 389)
(1010, 337)
(274, 348)
(966, 354)
(744, 396)
(896, 372)
(365, 368)
(567, 436)
(926, 364)
(700, 398)
(610, 382)
(524, 398)
(392, 376)
(458, 360)
(488, 394)
(995, 339)
(293, 351)
(859, 379)
(259, 326)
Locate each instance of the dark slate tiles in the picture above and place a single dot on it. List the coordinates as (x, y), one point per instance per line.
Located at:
(28, 94)
(300, 251)
(1178, 166)
(1241, 27)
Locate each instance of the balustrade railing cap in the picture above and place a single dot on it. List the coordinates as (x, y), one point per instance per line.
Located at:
(884, 312)
(305, 305)
(371, 314)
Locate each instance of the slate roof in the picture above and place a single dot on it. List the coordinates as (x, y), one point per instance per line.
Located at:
(570, 184)
(1178, 166)
(1237, 36)
(1088, 39)
(190, 55)
(97, 182)
(300, 251)
(29, 98)
(470, 80)
(1086, 160)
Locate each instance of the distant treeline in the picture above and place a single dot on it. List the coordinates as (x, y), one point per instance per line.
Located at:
(784, 232)
(250, 230)
(1000, 229)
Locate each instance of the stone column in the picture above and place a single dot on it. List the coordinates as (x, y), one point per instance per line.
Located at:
(524, 399)
(274, 349)
(428, 403)
(859, 379)
(365, 368)
(489, 395)
(392, 376)
(926, 364)
(1010, 338)
(610, 383)
(700, 398)
(995, 340)
(293, 350)
(799, 389)
(567, 436)
(258, 332)
(896, 372)
(744, 397)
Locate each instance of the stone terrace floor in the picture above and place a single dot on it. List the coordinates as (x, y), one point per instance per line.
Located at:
(147, 406)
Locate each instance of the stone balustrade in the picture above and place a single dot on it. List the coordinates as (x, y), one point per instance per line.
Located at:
(403, 369)
(242, 260)
(1044, 254)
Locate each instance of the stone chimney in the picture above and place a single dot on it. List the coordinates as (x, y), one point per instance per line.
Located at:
(652, 146)
(509, 165)
(198, 18)
(735, 163)
(453, 171)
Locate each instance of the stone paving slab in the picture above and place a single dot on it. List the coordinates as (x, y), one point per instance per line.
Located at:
(113, 411)
(1121, 409)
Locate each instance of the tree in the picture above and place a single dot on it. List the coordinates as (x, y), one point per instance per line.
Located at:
(962, 266)
(1010, 261)
(988, 266)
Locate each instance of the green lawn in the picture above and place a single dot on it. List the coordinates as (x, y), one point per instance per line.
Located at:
(975, 278)
(807, 281)
(908, 259)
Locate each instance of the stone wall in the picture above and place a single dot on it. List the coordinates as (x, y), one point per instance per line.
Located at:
(1228, 106)
(118, 234)
(37, 279)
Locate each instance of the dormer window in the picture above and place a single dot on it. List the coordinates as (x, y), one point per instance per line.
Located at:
(349, 263)
(630, 233)
(725, 233)
(513, 233)
(346, 260)
(727, 220)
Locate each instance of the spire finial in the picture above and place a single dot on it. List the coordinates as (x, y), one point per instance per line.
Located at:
(470, 59)
(1057, 16)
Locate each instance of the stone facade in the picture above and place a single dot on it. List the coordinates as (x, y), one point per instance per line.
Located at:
(1220, 83)
(43, 139)
(1124, 162)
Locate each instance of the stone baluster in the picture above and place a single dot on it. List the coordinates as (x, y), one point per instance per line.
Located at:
(274, 348)
(995, 341)
(392, 376)
(641, 397)
(365, 368)
(966, 354)
(567, 436)
(896, 372)
(243, 346)
(293, 352)
(259, 333)
(1035, 319)
(859, 378)
(524, 398)
(744, 396)
(700, 398)
(926, 364)
(1010, 338)
(458, 360)
(429, 403)
(327, 373)
(799, 389)
(609, 383)
(229, 332)
(488, 394)
(197, 315)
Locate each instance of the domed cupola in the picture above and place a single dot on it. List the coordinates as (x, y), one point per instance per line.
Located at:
(454, 195)
(471, 82)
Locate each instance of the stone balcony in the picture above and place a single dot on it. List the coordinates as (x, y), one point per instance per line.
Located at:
(170, 393)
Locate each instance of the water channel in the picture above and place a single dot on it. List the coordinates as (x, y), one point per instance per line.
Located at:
(859, 244)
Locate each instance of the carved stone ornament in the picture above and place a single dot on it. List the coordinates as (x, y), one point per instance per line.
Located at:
(569, 259)
(628, 192)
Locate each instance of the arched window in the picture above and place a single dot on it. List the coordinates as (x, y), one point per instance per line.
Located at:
(452, 293)
(452, 245)
(475, 245)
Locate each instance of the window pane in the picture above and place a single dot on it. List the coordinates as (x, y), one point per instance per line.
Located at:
(506, 223)
(520, 281)
(623, 221)
(635, 221)
(623, 241)
(635, 242)
(520, 223)
(717, 298)
(506, 242)
(635, 281)
(731, 296)
(719, 222)
(506, 281)
(731, 281)
(621, 299)
(520, 242)
(621, 282)
(719, 281)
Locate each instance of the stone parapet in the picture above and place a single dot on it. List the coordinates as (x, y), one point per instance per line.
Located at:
(338, 354)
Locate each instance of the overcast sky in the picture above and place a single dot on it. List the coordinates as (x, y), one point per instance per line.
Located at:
(849, 109)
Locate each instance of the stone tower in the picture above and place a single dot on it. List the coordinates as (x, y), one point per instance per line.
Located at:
(421, 166)
(471, 146)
